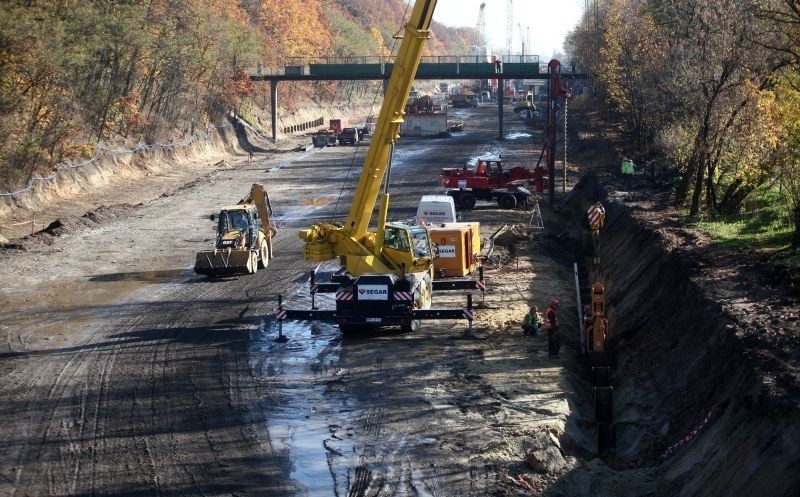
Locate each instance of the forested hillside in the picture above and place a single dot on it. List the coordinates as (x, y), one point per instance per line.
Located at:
(712, 91)
(76, 73)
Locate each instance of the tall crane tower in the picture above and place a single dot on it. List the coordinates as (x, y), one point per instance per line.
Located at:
(482, 25)
(509, 27)
(525, 40)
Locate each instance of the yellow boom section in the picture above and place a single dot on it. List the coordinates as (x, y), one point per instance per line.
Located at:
(361, 250)
(387, 126)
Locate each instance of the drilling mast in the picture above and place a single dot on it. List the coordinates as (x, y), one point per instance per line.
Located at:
(482, 25)
(509, 27)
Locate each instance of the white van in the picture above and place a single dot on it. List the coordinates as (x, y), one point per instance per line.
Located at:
(436, 209)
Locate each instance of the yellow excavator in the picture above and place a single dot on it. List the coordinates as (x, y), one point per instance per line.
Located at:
(243, 244)
(387, 274)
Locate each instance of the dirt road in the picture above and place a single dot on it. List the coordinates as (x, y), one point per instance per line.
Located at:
(126, 374)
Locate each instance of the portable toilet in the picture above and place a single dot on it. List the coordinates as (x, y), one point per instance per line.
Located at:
(458, 246)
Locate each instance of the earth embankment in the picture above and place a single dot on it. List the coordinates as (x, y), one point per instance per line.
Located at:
(704, 395)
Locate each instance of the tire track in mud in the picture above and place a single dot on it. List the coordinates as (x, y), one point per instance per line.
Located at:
(83, 428)
(66, 433)
(389, 460)
(363, 482)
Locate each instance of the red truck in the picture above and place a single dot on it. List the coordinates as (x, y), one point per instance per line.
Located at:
(487, 180)
(337, 125)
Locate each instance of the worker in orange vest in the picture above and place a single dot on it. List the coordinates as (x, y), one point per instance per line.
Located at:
(551, 325)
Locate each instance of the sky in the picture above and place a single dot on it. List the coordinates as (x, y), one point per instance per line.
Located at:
(548, 22)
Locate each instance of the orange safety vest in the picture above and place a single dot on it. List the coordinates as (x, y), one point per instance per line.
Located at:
(547, 317)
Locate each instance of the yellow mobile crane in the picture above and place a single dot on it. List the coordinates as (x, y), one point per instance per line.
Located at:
(387, 274)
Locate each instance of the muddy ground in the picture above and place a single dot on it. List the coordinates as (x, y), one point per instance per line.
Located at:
(124, 373)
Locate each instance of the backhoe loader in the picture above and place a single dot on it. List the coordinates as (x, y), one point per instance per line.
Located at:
(243, 243)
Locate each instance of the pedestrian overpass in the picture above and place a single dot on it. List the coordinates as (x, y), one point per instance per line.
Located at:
(446, 67)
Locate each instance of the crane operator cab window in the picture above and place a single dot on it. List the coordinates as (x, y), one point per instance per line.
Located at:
(397, 239)
(422, 244)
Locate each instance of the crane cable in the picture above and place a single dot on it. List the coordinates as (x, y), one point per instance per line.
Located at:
(392, 53)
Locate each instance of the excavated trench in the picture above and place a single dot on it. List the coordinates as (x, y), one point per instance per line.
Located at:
(691, 410)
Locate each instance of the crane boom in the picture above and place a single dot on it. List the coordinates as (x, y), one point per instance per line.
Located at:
(363, 251)
(390, 117)
(388, 273)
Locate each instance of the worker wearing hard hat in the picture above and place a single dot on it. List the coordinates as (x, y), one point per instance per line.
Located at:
(551, 325)
(532, 323)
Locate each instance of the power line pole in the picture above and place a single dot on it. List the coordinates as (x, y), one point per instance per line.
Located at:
(509, 27)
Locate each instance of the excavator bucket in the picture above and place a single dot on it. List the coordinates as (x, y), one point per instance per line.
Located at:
(225, 262)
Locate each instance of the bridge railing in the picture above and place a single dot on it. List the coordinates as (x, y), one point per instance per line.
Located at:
(426, 59)
(369, 65)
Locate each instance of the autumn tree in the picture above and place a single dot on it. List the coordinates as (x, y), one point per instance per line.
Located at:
(77, 72)
(690, 74)
(631, 64)
(785, 17)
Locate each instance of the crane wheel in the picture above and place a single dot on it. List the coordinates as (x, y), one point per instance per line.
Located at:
(507, 201)
(411, 327)
(466, 200)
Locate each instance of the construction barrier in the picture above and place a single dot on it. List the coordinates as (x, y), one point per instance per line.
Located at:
(296, 128)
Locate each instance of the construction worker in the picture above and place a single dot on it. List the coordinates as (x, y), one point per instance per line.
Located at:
(627, 170)
(532, 323)
(551, 325)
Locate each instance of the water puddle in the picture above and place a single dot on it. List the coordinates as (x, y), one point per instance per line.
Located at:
(303, 423)
(164, 276)
(402, 158)
(518, 135)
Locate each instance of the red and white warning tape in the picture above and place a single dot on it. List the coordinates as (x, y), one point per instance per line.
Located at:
(691, 436)
(403, 296)
(344, 295)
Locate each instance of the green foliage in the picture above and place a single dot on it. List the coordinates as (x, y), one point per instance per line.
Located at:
(765, 224)
(713, 84)
(349, 38)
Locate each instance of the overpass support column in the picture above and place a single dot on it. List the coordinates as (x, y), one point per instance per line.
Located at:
(500, 95)
(273, 84)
